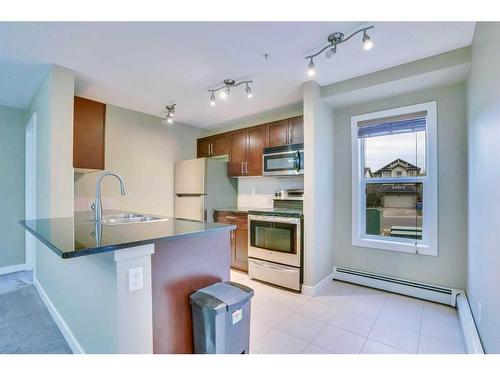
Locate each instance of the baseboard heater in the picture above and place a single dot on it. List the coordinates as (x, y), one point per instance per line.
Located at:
(453, 297)
(429, 292)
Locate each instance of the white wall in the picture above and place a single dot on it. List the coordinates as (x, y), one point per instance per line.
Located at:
(449, 267)
(143, 151)
(12, 130)
(319, 148)
(53, 104)
(483, 102)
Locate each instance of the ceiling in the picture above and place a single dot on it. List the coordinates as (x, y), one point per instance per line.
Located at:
(145, 66)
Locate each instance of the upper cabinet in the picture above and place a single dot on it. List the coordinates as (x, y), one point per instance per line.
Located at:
(285, 132)
(88, 134)
(216, 145)
(245, 151)
(296, 130)
(245, 146)
(277, 133)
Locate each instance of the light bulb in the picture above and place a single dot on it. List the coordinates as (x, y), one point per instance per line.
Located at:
(310, 69)
(367, 42)
(223, 94)
(249, 92)
(170, 120)
(212, 99)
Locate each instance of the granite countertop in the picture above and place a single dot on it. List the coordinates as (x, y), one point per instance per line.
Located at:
(79, 235)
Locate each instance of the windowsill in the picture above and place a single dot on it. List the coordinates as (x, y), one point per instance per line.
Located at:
(401, 247)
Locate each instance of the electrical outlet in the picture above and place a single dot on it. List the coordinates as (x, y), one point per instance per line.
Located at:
(479, 313)
(135, 279)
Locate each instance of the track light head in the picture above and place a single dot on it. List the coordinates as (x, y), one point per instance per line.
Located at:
(248, 90)
(310, 69)
(367, 42)
(212, 99)
(169, 117)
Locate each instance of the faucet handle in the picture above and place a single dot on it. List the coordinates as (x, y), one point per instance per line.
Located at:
(92, 206)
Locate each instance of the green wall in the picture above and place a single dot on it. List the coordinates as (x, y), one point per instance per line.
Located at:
(12, 128)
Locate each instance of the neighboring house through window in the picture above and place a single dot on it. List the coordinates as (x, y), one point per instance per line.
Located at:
(394, 183)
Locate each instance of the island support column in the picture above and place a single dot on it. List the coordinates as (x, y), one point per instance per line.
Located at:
(135, 311)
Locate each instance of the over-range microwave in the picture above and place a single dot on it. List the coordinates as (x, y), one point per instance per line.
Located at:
(283, 160)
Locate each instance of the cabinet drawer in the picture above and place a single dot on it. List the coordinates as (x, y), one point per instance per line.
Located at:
(225, 217)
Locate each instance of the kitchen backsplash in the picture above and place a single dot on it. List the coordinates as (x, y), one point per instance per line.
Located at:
(258, 192)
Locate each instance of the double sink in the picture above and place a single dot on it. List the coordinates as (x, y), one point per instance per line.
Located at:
(130, 218)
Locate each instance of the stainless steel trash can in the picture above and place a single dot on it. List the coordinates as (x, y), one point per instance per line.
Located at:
(221, 318)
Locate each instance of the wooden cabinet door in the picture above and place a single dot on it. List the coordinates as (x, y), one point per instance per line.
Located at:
(255, 146)
(240, 259)
(220, 145)
(296, 129)
(88, 134)
(204, 147)
(239, 237)
(237, 152)
(277, 133)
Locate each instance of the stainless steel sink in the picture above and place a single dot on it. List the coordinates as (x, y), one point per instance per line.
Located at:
(130, 218)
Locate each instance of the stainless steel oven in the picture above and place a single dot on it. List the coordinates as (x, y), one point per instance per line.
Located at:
(275, 249)
(283, 160)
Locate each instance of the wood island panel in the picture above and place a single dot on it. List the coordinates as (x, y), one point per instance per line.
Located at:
(178, 269)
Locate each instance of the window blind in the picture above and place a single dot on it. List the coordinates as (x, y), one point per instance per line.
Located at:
(392, 125)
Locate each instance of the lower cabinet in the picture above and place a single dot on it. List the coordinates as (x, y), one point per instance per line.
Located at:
(239, 237)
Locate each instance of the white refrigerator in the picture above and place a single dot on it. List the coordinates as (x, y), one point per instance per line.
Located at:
(202, 185)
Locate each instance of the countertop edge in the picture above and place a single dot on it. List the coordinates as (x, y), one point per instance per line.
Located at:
(125, 245)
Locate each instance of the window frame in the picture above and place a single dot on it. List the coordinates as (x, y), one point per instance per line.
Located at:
(429, 243)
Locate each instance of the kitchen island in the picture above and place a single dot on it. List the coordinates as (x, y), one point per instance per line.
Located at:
(124, 288)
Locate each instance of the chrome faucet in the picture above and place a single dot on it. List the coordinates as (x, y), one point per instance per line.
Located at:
(97, 205)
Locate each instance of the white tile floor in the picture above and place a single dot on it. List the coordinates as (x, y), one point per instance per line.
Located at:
(345, 318)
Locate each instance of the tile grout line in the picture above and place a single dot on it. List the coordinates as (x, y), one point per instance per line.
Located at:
(375, 322)
(420, 330)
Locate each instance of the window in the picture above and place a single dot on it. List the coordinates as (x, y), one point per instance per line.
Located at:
(395, 205)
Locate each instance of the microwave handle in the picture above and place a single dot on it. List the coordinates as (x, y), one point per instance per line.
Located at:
(297, 162)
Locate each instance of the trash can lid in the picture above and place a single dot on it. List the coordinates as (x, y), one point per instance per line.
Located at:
(228, 292)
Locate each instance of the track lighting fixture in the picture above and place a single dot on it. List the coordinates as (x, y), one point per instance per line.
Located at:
(333, 41)
(169, 117)
(224, 90)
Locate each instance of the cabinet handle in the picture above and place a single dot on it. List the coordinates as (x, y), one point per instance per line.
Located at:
(284, 137)
(241, 167)
(291, 136)
(246, 168)
(231, 217)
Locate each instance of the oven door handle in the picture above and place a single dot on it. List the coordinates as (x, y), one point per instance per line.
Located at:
(274, 219)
